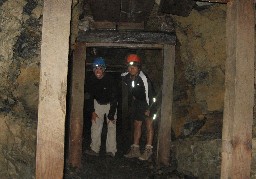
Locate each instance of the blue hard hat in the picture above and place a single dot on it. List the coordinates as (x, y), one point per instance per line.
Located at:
(99, 62)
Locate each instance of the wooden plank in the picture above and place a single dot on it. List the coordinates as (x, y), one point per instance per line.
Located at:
(127, 132)
(164, 133)
(126, 37)
(135, 10)
(105, 25)
(216, 1)
(52, 89)
(239, 90)
(130, 26)
(107, 10)
(176, 7)
(124, 45)
(77, 105)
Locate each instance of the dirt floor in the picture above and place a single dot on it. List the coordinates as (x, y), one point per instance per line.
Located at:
(119, 167)
(106, 167)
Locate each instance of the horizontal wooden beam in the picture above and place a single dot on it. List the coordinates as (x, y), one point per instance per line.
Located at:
(216, 1)
(105, 25)
(126, 37)
(130, 26)
(124, 45)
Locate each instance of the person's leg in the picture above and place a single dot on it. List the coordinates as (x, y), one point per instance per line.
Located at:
(150, 131)
(135, 147)
(137, 132)
(148, 148)
(137, 114)
(96, 128)
(111, 137)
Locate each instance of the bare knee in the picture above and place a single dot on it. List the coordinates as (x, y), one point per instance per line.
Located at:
(149, 124)
(137, 124)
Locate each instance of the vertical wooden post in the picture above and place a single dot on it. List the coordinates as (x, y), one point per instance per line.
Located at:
(164, 133)
(52, 89)
(126, 122)
(239, 94)
(77, 104)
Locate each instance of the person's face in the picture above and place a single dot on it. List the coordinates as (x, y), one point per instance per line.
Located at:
(98, 72)
(133, 70)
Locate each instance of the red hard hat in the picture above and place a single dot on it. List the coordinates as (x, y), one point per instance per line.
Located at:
(133, 58)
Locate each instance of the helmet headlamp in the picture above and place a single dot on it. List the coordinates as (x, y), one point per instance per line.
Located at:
(133, 64)
(99, 63)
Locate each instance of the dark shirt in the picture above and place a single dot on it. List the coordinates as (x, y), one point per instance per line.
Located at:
(104, 91)
(140, 88)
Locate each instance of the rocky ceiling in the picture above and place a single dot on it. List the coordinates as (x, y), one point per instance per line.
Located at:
(137, 11)
(120, 10)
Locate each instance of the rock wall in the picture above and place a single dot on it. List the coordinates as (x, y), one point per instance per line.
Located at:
(198, 86)
(20, 37)
(200, 69)
(200, 158)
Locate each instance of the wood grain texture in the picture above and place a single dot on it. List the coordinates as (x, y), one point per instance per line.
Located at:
(239, 94)
(52, 89)
(164, 134)
(77, 106)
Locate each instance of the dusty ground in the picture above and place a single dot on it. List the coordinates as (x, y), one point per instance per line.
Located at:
(119, 167)
(105, 167)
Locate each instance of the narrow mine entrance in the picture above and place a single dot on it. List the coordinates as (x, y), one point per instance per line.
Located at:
(142, 42)
(115, 61)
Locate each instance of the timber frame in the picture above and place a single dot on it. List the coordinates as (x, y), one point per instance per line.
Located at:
(115, 39)
(238, 102)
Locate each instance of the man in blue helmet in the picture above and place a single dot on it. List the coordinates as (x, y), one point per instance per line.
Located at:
(102, 101)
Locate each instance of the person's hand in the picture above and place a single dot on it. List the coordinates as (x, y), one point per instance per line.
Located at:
(147, 113)
(94, 117)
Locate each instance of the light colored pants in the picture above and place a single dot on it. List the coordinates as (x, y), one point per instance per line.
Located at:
(96, 129)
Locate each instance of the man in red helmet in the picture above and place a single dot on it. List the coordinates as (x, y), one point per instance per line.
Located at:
(141, 98)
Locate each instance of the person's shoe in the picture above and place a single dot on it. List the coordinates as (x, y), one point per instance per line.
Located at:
(110, 154)
(134, 152)
(91, 152)
(147, 153)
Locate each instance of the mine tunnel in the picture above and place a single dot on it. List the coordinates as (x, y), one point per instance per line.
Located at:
(199, 55)
(152, 63)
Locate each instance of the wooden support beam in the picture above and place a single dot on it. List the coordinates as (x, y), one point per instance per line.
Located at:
(52, 89)
(164, 133)
(105, 25)
(126, 37)
(130, 26)
(127, 124)
(216, 1)
(239, 94)
(77, 106)
(125, 45)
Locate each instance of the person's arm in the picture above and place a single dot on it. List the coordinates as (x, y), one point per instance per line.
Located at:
(152, 99)
(113, 101)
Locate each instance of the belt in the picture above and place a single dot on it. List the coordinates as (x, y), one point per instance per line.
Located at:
(102, 103)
